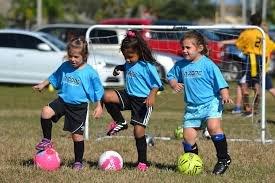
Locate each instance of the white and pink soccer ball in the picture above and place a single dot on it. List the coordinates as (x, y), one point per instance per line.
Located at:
(110, 160)
(47, 160)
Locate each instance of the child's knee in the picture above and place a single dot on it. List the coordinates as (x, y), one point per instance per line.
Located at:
(108, 95)
(77, 137)
(139, 131)
(47, 112)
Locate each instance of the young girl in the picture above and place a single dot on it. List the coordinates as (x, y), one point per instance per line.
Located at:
(77, 84)
(141, 85)
(205, 92)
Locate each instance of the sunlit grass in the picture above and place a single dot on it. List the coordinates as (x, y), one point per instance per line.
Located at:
(20, 131)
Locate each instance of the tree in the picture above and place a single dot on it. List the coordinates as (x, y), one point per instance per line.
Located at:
(188, 10)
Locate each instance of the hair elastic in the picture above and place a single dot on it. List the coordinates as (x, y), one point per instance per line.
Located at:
(131, 34)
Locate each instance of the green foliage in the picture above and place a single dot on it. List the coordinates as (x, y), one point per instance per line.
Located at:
(2, 21)
(270, 12)
(23, 12)
(188, 10)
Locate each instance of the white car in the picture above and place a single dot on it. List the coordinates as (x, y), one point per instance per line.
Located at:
(30, 57)
(110, 45)
(107, 42)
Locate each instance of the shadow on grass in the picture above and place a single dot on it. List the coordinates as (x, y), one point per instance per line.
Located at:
(131, 165)
(128, 165)
(163, 166)
(28, 163)
(94, 164)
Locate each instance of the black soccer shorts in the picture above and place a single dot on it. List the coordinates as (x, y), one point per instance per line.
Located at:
(140, 113)
(75, 115)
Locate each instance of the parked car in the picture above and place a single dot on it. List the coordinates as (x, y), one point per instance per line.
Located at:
(165, 60)
(167, 41)
(30, 57)
(107, 42)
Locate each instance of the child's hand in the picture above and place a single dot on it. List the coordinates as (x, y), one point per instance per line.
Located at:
(227, 100)
(150, 100)
(177, 87)
(225, 96)
(117, 70)
(39, 87)
(98, 111)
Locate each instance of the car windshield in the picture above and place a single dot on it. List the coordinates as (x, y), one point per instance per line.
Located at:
(55, 41)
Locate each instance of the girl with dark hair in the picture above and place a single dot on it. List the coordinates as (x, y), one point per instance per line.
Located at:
(142, 82)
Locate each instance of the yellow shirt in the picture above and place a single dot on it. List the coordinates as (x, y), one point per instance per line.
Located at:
(250, 42)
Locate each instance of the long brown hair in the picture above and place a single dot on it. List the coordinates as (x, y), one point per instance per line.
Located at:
(135, 41)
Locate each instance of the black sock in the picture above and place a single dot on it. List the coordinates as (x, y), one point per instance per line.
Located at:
(46, 125)
(220, 143)
(78, 151)
(114, 110)
(141, 149)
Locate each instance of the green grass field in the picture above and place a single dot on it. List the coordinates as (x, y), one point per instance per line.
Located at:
(20, 131)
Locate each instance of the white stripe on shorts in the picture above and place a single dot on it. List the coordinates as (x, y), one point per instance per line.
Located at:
(147, 115)
(123, 106)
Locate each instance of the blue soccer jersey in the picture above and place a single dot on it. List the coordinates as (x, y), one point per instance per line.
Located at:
(76, 86)
(202, 79)
(140, 78)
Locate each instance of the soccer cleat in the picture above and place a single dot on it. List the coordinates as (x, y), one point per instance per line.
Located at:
(77, 166)
(221, 166)
(114, 128)
(142, 167)
(236, 110)
(44, 144)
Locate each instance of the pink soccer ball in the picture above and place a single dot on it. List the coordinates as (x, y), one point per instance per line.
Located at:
(47, 160)
(110, 160)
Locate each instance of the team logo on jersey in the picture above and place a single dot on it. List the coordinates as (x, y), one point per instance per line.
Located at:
(192, 74)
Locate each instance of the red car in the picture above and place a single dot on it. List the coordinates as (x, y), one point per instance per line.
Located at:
(168, 41)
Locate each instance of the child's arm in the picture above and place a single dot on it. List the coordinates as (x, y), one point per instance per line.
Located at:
(98, 110)
(150, 100)
(224, 92)
(41, 86)
(177, 87)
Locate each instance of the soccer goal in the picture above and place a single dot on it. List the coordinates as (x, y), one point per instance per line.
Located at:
(164, 41)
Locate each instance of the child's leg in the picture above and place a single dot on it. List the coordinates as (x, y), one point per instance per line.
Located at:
(218, 137)
(220, 143)
(139, 133)
(245, 93)
(78, 147)
(46, 123)
(238, 101)
(112, 104)
(189, 143)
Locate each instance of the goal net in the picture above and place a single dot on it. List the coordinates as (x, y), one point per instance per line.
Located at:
(164, 41)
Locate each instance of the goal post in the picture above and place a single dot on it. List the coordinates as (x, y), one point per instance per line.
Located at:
(262, 137)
